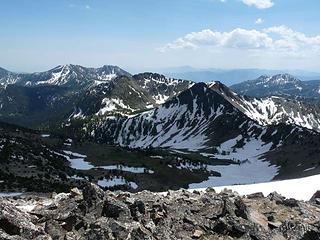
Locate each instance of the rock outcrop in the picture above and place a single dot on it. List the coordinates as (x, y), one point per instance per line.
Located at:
(94, 214)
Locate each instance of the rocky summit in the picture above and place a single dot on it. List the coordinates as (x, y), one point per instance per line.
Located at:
(92, 213)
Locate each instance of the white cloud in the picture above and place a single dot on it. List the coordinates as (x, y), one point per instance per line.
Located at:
(237, 38)
(87, 7)
(275, 39)
(290, 35)
(178, 44)
(260, 4)
(259, 21)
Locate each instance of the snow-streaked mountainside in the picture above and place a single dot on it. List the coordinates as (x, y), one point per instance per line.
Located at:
(279, 85)
(79, 92)
(273, 110)
(147, 90)
(109, 90)
(120, 95)
(65, 75)
(197, 119)
(205, 120)
(7, 77)
(128, 95)
(160, 87)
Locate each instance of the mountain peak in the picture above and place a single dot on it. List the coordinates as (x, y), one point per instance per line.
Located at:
(279, 79)
(202, 93)
(216, 85)
(73, 76)
(220, 88)
(109, 66)
(199, 85)
(65, 67)
(7, 77)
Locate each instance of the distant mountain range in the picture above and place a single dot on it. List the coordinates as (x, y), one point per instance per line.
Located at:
(63, 75)
(233, 76)
(279, 85)
(260, 125)
(73, 91)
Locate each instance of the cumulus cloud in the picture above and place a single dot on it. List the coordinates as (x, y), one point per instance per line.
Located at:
(290, 35)
(278, 38)
(237, 38)
(260, 4)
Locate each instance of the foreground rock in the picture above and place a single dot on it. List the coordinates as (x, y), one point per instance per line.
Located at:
(95, 214)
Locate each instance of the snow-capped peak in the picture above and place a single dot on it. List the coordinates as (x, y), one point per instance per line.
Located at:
(211, 84)
(160, 87)
(279, 79)
(279, 85)
(7, 77)
(273, 109)
(73, 76)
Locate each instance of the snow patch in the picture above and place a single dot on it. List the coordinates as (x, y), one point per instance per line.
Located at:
(116, 181)
(300, 189)
(111, 105)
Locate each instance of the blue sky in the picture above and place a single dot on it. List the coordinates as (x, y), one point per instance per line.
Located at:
(150, 34)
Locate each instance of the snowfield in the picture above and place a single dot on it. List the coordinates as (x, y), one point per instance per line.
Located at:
(252, 168)
(249, 172)
(300, 189)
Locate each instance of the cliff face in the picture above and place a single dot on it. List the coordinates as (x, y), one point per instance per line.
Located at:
(95, 214)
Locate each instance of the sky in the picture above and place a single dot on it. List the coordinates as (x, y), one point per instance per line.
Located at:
(36, 35)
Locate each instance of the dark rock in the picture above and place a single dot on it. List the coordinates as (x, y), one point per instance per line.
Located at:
(54, 229)
(242, 210)
(274, 196)
(14, 221)
(92, 194)
(116, 209)
(118, 229)
(311, 235)
(94, 214)
(255, 195)
(229, 207)
(290, 202)
(297, 230)
(316, 198)
(274, 225)
(99, 229)
(270, 216)
(93, 200)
